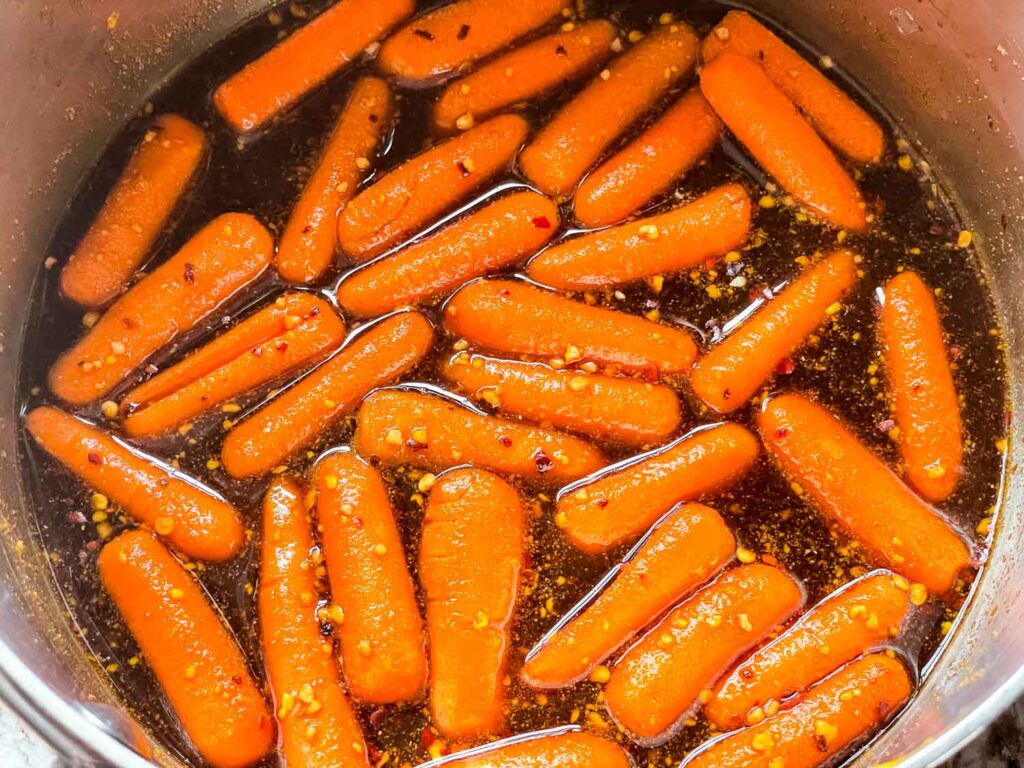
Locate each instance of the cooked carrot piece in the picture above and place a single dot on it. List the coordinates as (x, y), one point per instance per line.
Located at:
(408, 198)
(649, 164)
(683, 238)
(618, 505)
(684, 551)
(305, 59)
(573, 749)
(565, 149)
(854, 488)
(382, 642)
(925, 402)
(192, 519)
(492, 238)
(514, 317)
(735, 368)
(221, 259)
(190, 650)
(782, 142)
(297, 416)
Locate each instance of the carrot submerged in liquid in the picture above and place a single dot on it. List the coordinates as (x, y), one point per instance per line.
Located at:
(574, 749)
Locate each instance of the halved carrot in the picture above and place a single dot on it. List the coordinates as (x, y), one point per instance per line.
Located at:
(190, 650)
(307, 245)
(573, 749)
(684, 551)
(135, 212)
(649, 164)
(782, 142)
(382, 641)
(514, 317)
(221, 259)
(619, 504)
(565, 149)
(191, 518)
(525, 73)
(854, 488)
(926, 406)
(407, 427)
(305, 59)
(734, 369)
(411, 196)
(492, 238)
(316, 722)
(661, 677)
(683, 238)
(309, 407)
(835, 115)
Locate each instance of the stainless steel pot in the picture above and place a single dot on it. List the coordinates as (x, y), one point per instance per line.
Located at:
(949, 70)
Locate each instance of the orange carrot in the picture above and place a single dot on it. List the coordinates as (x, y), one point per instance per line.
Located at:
(135, 212)
(781, 140)
(191, 518)
(680, 239)
(382, 643)
(191, 652)
(854, 488)
(735, 368)
(296, 417)
(221, 259)
(572, 749)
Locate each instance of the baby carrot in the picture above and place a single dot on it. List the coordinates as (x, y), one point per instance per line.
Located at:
(514, 317)
(307, 245)
(572, 749)
(222, 258)
(305, 59)
(192, 519)
(316, 722)
(649, 164)
(735, 368)
(683, 238)
(565, 149)
(925, 402)
(471, 556)
(782, 142)
(619, 504)
(492, 238)
(382, 642)
(191, 652)
(661, 677)
(135, 212)
(684, 551)
(854, 488)
(321, 398)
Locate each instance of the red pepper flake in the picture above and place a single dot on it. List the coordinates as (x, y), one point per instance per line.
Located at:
(428, 737)
(374, 754)
(781, 432)
(463, 169)
(560, 50)
(92, 546)
(416, 445)
(357, 521)
(426, 35)
(785, 367)
(95, 458)
(280, 345)
(769, 559)
(463, 32)
(955, 352)
(257, 351)
(130, 322)
(76, 517)
(541, 460)
(885, 425)
(307, 229)
(374, 117)
(190, 273)
(602, 502)
(726, 393)
(541, 222)
(649, 373)
(505, 441)
(746, 673)
(236, 679)
(504, 293)
(821, 742)
(377, 717)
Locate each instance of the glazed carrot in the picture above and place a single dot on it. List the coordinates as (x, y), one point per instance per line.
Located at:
(782, 142)
(835, 115)
(649, 164)
(490, 239)
(854, 488)
(192, 519)
(662, 676)
(382, 642)
(316, 722)
(683, 238)
(379, 355)
(221, 259)
(573, 749)
(191, 652)
(735, 368)
(514, 317)
(618, 505)
(297, 329)
(305, 59)
(926, 407)
(135, 212)
(565, 149)
(684, 551)
(525, 73)
(307, 245)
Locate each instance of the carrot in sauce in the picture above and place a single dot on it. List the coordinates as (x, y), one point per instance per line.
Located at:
(573, 749)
